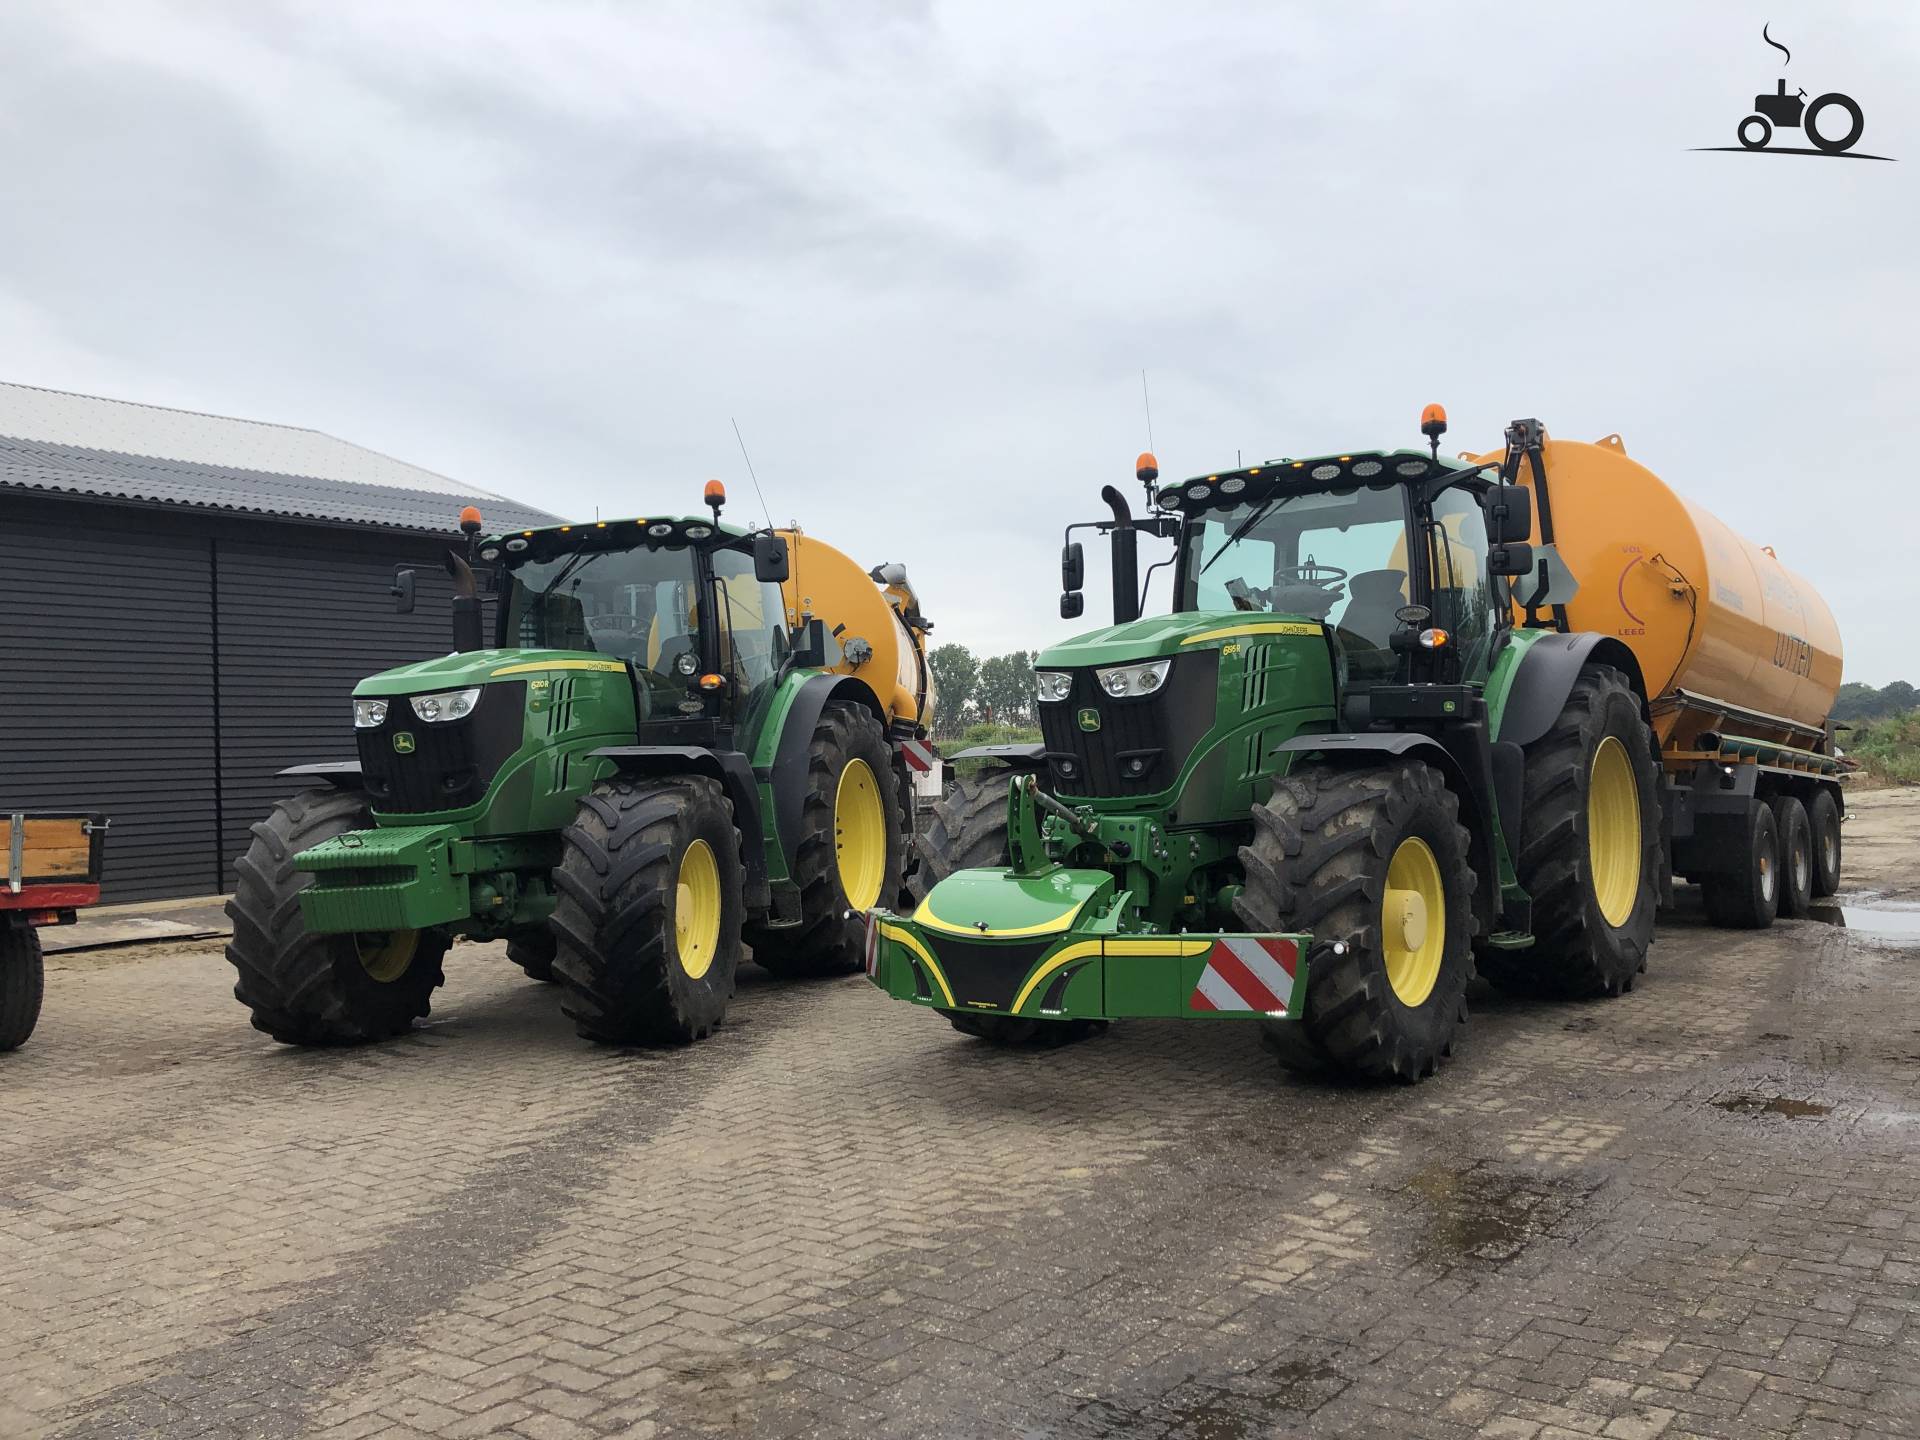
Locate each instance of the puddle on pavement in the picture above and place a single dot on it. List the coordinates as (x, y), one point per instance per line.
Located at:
(1897, 920)
(1257, 1403)
(1773, 1105)
(1487, 1216)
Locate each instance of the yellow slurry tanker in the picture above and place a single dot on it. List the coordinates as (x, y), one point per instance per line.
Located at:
(1409, 714)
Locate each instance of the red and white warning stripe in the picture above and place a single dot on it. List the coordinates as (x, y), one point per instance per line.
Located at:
(920, 756)
(1247, 973)
(870, 956)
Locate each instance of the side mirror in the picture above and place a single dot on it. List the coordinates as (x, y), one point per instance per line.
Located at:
(1513, 558)
(770, 559)
(1073, 566)
(402, 590)
(1509, 515)
(1072, 604)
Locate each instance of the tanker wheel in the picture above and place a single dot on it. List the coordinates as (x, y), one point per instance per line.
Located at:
(1012, 1030)
(1795, 835)
(1823, 818)
(967, 831)
(306, 989)
(852, 852)
(646, 915)
(1755, 141)
(533, 952)
(1746, 895)
(1810, 122)
(1589, 851)
(22, 982)
(1376, 858)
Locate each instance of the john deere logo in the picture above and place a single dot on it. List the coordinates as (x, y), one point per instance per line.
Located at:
(1089, 719)
(403, 742)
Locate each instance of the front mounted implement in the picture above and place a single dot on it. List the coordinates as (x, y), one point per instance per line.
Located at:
(1052, 943)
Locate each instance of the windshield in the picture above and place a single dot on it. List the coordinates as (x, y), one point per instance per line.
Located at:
(638, 605)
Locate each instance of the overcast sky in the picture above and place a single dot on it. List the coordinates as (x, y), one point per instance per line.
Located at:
(923, 253)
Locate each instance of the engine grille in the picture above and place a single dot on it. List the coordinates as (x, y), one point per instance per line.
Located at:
(451, 763)
(1140, 744)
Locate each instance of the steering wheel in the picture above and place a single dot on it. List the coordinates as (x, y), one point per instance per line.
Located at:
(1311, 573)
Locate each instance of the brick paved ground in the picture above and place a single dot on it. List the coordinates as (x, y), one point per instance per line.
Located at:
(840, 1218)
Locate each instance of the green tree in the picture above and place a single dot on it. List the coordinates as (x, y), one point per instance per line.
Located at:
(1006, 684)
(956, 676)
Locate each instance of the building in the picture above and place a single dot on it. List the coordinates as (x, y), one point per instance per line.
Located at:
(185, 603)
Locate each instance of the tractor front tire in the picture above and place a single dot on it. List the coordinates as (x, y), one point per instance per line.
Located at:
(1589, 851)
(1375, 858)
(533, 952)
(22, 982)
(852, 851)
(647, 912)
(967, 831)
(306, 989)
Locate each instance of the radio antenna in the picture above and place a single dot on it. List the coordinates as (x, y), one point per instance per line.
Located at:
(750, 475)
(1147, 401)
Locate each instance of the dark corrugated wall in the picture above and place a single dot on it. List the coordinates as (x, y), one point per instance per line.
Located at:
(162, 667)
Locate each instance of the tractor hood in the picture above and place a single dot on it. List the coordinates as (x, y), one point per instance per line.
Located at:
(1157, 635)
(477, 667)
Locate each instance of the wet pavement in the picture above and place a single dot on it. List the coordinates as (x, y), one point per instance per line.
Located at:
(1691, 1211)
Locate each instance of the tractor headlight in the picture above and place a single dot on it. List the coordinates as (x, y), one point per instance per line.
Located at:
(369, 714)
(1052, 684)
(446, 705)
(1125, 681)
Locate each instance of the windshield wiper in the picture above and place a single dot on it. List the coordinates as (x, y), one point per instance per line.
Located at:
(1240, 531)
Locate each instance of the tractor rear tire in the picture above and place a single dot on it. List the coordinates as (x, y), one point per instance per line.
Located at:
(533, 952)
(22, 983)
(1012, 1030)
(852, 851)
(647, 914)
(1795, 834)
(1747, 896)
(1823, 818)
(1323, 849)
(306, 989)
(1589, 782)
(968, 830)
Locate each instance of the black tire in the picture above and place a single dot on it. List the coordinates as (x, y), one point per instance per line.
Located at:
(1823, 822)
(533, 952)
(308, 989)
(967, 831)
(1318, 864)
(1577, 950)
(1747, 898)
(1809, 124)
(618, 904)
(1795, 835)
(831, 937)
(1012, 1030)
(1766, 132)
(22, 983)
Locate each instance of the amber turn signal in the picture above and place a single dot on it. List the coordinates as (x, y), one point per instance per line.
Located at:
(712, 682)
(1435, 639)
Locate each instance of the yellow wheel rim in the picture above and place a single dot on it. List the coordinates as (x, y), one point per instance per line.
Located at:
(696, 910)
(860, 835)
(1613, 831)
(386, 954)
(1413, 921)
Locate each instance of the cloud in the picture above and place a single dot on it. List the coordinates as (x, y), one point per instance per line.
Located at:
(923, 253)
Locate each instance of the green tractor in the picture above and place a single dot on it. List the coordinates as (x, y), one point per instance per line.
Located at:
(681, 738)
(1336, 776)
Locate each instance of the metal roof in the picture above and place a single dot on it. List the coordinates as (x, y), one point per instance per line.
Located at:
(108, 449)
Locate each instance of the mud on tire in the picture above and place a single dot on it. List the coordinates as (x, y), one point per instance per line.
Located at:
(308, 989)
(1318, 863)
(831, 937)
(619, 893)
(1576, 951)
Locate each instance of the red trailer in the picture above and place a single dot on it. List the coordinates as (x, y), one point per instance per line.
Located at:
(52, 867)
